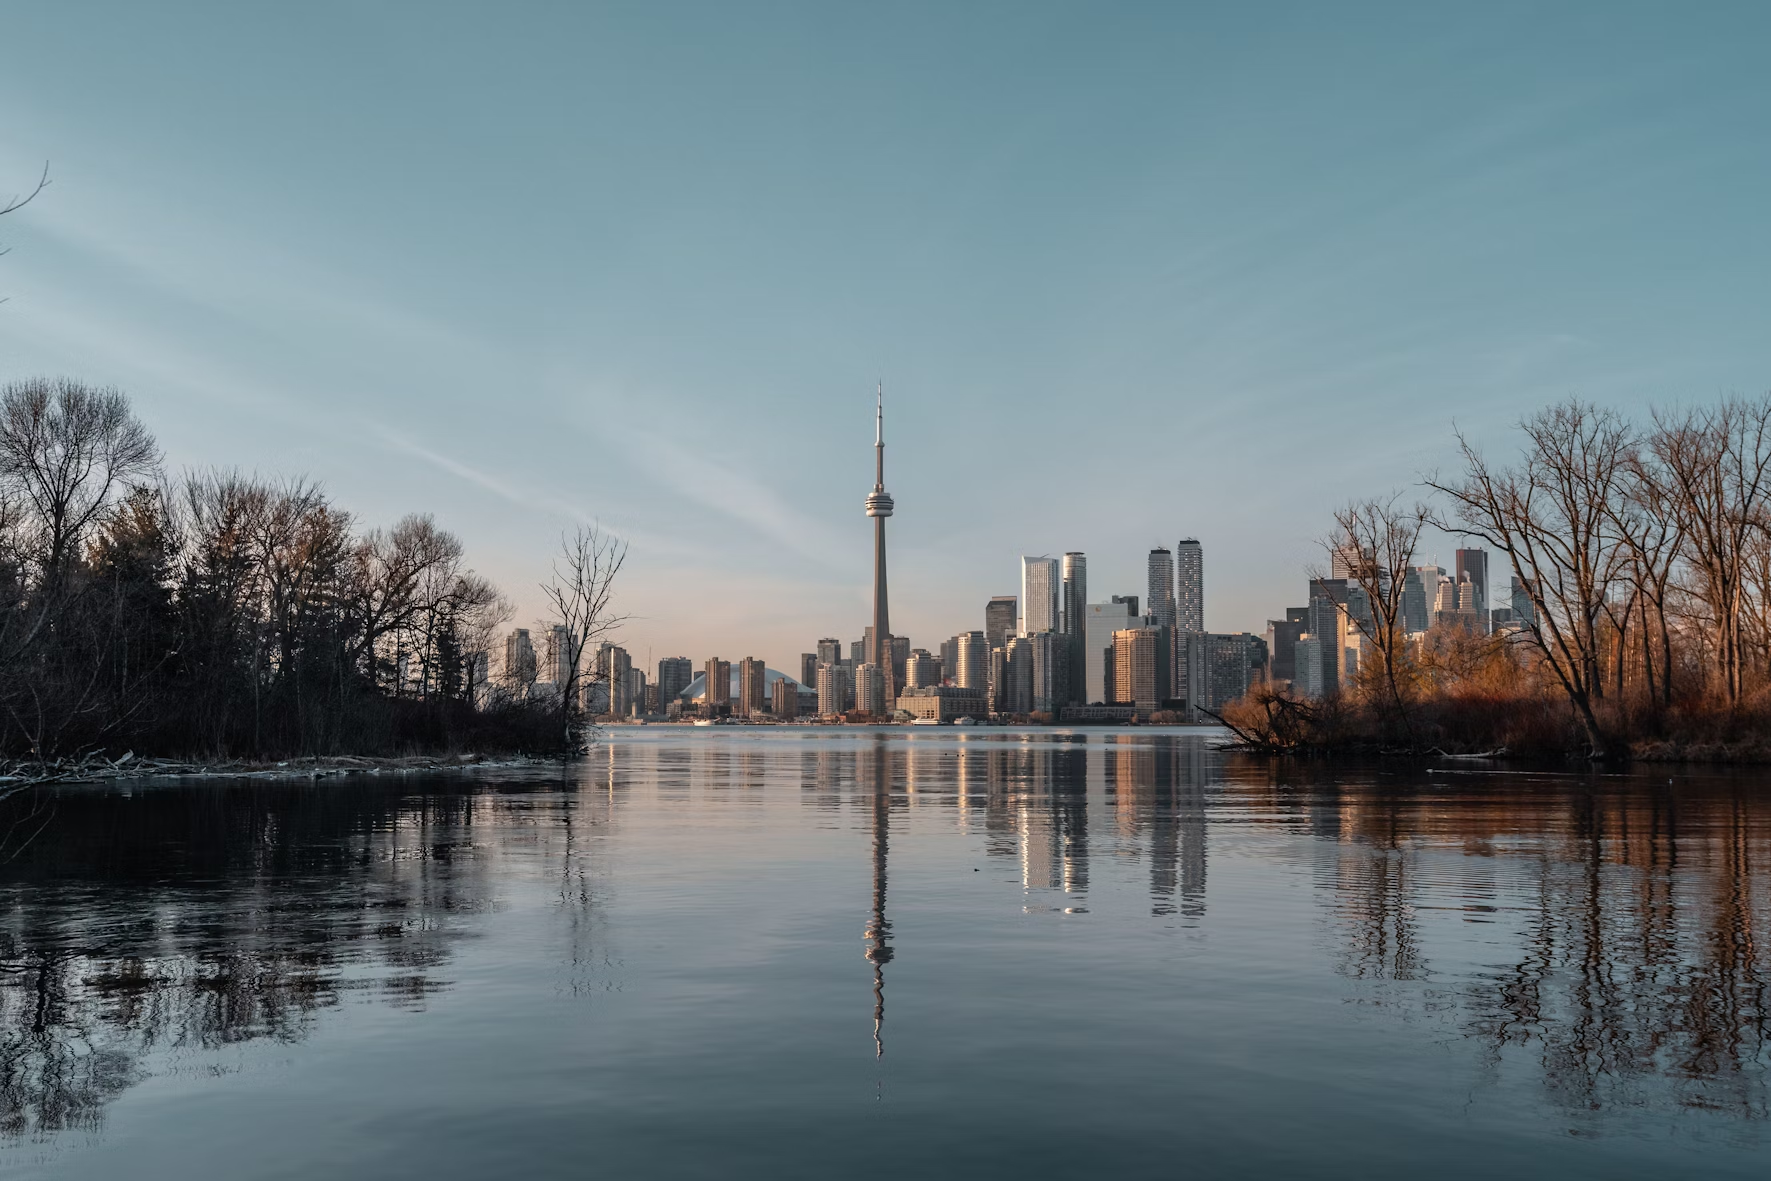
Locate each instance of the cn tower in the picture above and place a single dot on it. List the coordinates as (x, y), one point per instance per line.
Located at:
(879, 507)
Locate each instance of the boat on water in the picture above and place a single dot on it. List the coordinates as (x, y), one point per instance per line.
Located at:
(965, 721)
(704, 721)
(927, 722)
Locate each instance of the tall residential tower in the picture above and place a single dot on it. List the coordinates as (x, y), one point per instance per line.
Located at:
(1040, 586)
(1189, 586)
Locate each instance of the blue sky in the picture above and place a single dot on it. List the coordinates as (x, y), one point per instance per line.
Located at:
(1129, 272)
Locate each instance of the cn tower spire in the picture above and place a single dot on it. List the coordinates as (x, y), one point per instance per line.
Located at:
(879, 507)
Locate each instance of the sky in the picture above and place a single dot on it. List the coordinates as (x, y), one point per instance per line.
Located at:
(1129, 273)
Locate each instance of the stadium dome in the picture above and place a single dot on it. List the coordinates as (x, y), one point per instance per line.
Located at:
(698, 687)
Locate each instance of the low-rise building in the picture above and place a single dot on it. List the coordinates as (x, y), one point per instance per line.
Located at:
(945, 703)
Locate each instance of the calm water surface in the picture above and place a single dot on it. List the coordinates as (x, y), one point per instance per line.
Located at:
(805, 952)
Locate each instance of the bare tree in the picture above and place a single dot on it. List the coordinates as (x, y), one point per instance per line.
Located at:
(1652, 533)
(1550, 516)
(67, 449)
(17, 202)
(1713, 469)
(1377, 541)
(581, 593)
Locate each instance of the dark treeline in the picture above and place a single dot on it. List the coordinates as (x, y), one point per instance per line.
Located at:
(1642, 556)
(221, 615)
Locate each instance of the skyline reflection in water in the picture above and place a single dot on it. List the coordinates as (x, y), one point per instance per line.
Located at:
(1084, 935)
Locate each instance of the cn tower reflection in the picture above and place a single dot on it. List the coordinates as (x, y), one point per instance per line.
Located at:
(879, 928)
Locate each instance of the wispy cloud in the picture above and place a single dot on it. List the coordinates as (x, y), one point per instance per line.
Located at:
(717, 482)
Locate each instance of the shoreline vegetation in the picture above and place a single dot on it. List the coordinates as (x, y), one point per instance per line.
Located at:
(1640, 561)
(220, 619)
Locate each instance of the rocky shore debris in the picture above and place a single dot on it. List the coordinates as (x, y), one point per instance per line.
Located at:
(97, 768)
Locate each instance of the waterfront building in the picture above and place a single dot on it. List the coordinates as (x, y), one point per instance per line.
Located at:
(808, 668)
(971, 661)
(999, 619)
(836, 688)
(1098, 713)
(1041, 585)
(1100, 621)
(900, 658)
(1189, 585)
(1160, 586)
(1050, 688)
(870, 690)
(752, 701)
(1220, 669)
(674, 675)
(879, 507)
(950, 661)
(1076, 622)
(784, 699)
(945, 703)
(921, 670)
(519, 658)
(654, 700)
(716, 689)
(1134, 668)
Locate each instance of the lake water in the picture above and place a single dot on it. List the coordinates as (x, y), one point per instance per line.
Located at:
(811, 952)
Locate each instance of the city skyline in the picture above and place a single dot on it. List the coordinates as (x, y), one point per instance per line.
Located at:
(524, 312)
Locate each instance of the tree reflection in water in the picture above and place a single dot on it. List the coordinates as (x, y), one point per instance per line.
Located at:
(1637, 919)
(1607, 938)
(199, 917)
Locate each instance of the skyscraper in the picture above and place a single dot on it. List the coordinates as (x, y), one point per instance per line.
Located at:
(921, 670)
(1220, 669)
(1051, 671)
(870, 681)
(829, 651)
(752, 701)
(716, 689)
(1134, 668)
(519, 658)
(971, 659)
(1523, 609)
(999, 619)
(1189, 586)
(808, 669)
(1160, 586)
(674, 675)
(1040, 586)
(1473, 564)
(1099, 624)
(1015, 691)
(1076, 623)
(784, 699)
(879, 507)
(836, 687)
